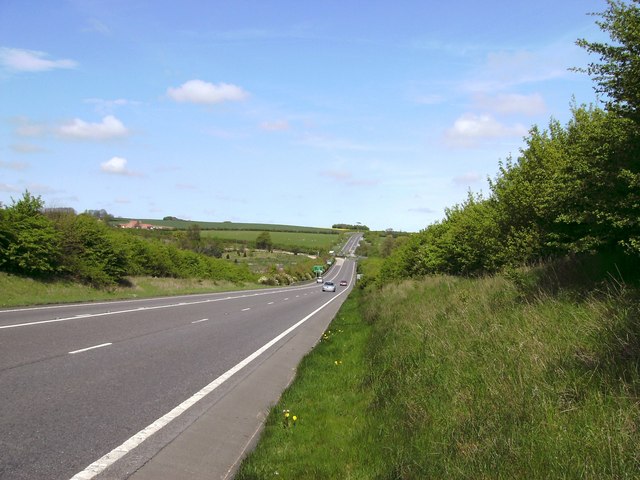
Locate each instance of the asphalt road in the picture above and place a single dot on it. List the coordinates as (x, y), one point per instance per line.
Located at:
(88, 388)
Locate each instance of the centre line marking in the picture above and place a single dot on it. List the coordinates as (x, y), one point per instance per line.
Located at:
(114, 455)
(245, 309)
(198, 321)
(90, 348)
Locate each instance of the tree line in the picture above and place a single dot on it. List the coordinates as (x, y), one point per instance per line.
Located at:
(51, 244)
(574, 189)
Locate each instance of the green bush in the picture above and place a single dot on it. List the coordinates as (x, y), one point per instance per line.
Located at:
(31, 244)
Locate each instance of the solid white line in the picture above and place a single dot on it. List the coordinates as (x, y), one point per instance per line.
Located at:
(198, 321)
(114, 455)
(90, 348)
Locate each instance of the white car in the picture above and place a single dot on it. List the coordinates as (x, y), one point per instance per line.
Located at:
(329, 287)
(319, 280)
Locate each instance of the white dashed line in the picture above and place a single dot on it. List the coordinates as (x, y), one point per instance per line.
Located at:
(245, 309)
(90, 348)
(199, 321)
(102, 463)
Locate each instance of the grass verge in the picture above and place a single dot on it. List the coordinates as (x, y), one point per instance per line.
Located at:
(464, 378)
(21, 291)
(316, 430)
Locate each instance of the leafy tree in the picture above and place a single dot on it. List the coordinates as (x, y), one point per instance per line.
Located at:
(618, 73)
(6, 235)
(92, 252)
(264, 241)
(387, 245)
(193, 235)
(32, 242)
(573, 189)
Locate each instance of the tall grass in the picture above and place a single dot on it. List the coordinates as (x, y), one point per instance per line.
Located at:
(468, 378)
(484, 385)
(20, 291)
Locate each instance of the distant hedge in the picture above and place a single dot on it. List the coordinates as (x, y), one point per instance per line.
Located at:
(81, 247)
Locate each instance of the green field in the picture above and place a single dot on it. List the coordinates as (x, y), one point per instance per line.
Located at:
(307, 240)
(256, 227)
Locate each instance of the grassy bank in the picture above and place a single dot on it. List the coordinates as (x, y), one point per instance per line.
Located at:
(459, 378)
(19, 291)
(316, 430)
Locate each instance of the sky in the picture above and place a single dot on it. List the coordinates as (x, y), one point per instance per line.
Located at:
(292, 112)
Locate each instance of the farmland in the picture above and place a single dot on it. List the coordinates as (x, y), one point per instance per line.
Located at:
(256, 227)
(306, 241)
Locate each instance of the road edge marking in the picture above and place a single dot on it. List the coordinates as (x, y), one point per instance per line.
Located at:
(117, 453)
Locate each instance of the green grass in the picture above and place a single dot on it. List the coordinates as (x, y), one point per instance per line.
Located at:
(465, 378)
(330, 403)
(20, 291)
(307, 240)
(257, 227)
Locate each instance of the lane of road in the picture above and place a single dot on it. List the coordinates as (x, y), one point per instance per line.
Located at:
(77, 381)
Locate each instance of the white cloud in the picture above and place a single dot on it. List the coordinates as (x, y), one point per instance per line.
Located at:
(26, 148)
(470, 129)
(7, 188)
(467, 178)
(110, 127)
(428, 99)
(105, 107)
(340, 175)
(186, 186)
(346, 177)
(27, 128)
(116, 166)
(197, 91)
(95, 25)
(12, 165)
(421, 210)
(35, 188)
(512, 103)
(20, 60)
(275, 126)
(333, 143)
(506, 69)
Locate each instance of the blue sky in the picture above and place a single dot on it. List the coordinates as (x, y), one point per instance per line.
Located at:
(290, 112)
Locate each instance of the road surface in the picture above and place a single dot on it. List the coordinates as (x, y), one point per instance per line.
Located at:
(113, 389)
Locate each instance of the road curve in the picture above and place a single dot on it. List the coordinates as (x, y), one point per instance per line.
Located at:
(111, 390)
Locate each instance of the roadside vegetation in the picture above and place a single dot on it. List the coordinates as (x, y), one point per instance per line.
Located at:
(19, 290)
(502, 341)
(451, 377)
(46, 254)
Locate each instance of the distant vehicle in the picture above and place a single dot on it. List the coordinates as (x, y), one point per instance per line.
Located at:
(319, 280)
(343, 283)
(329, 287)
